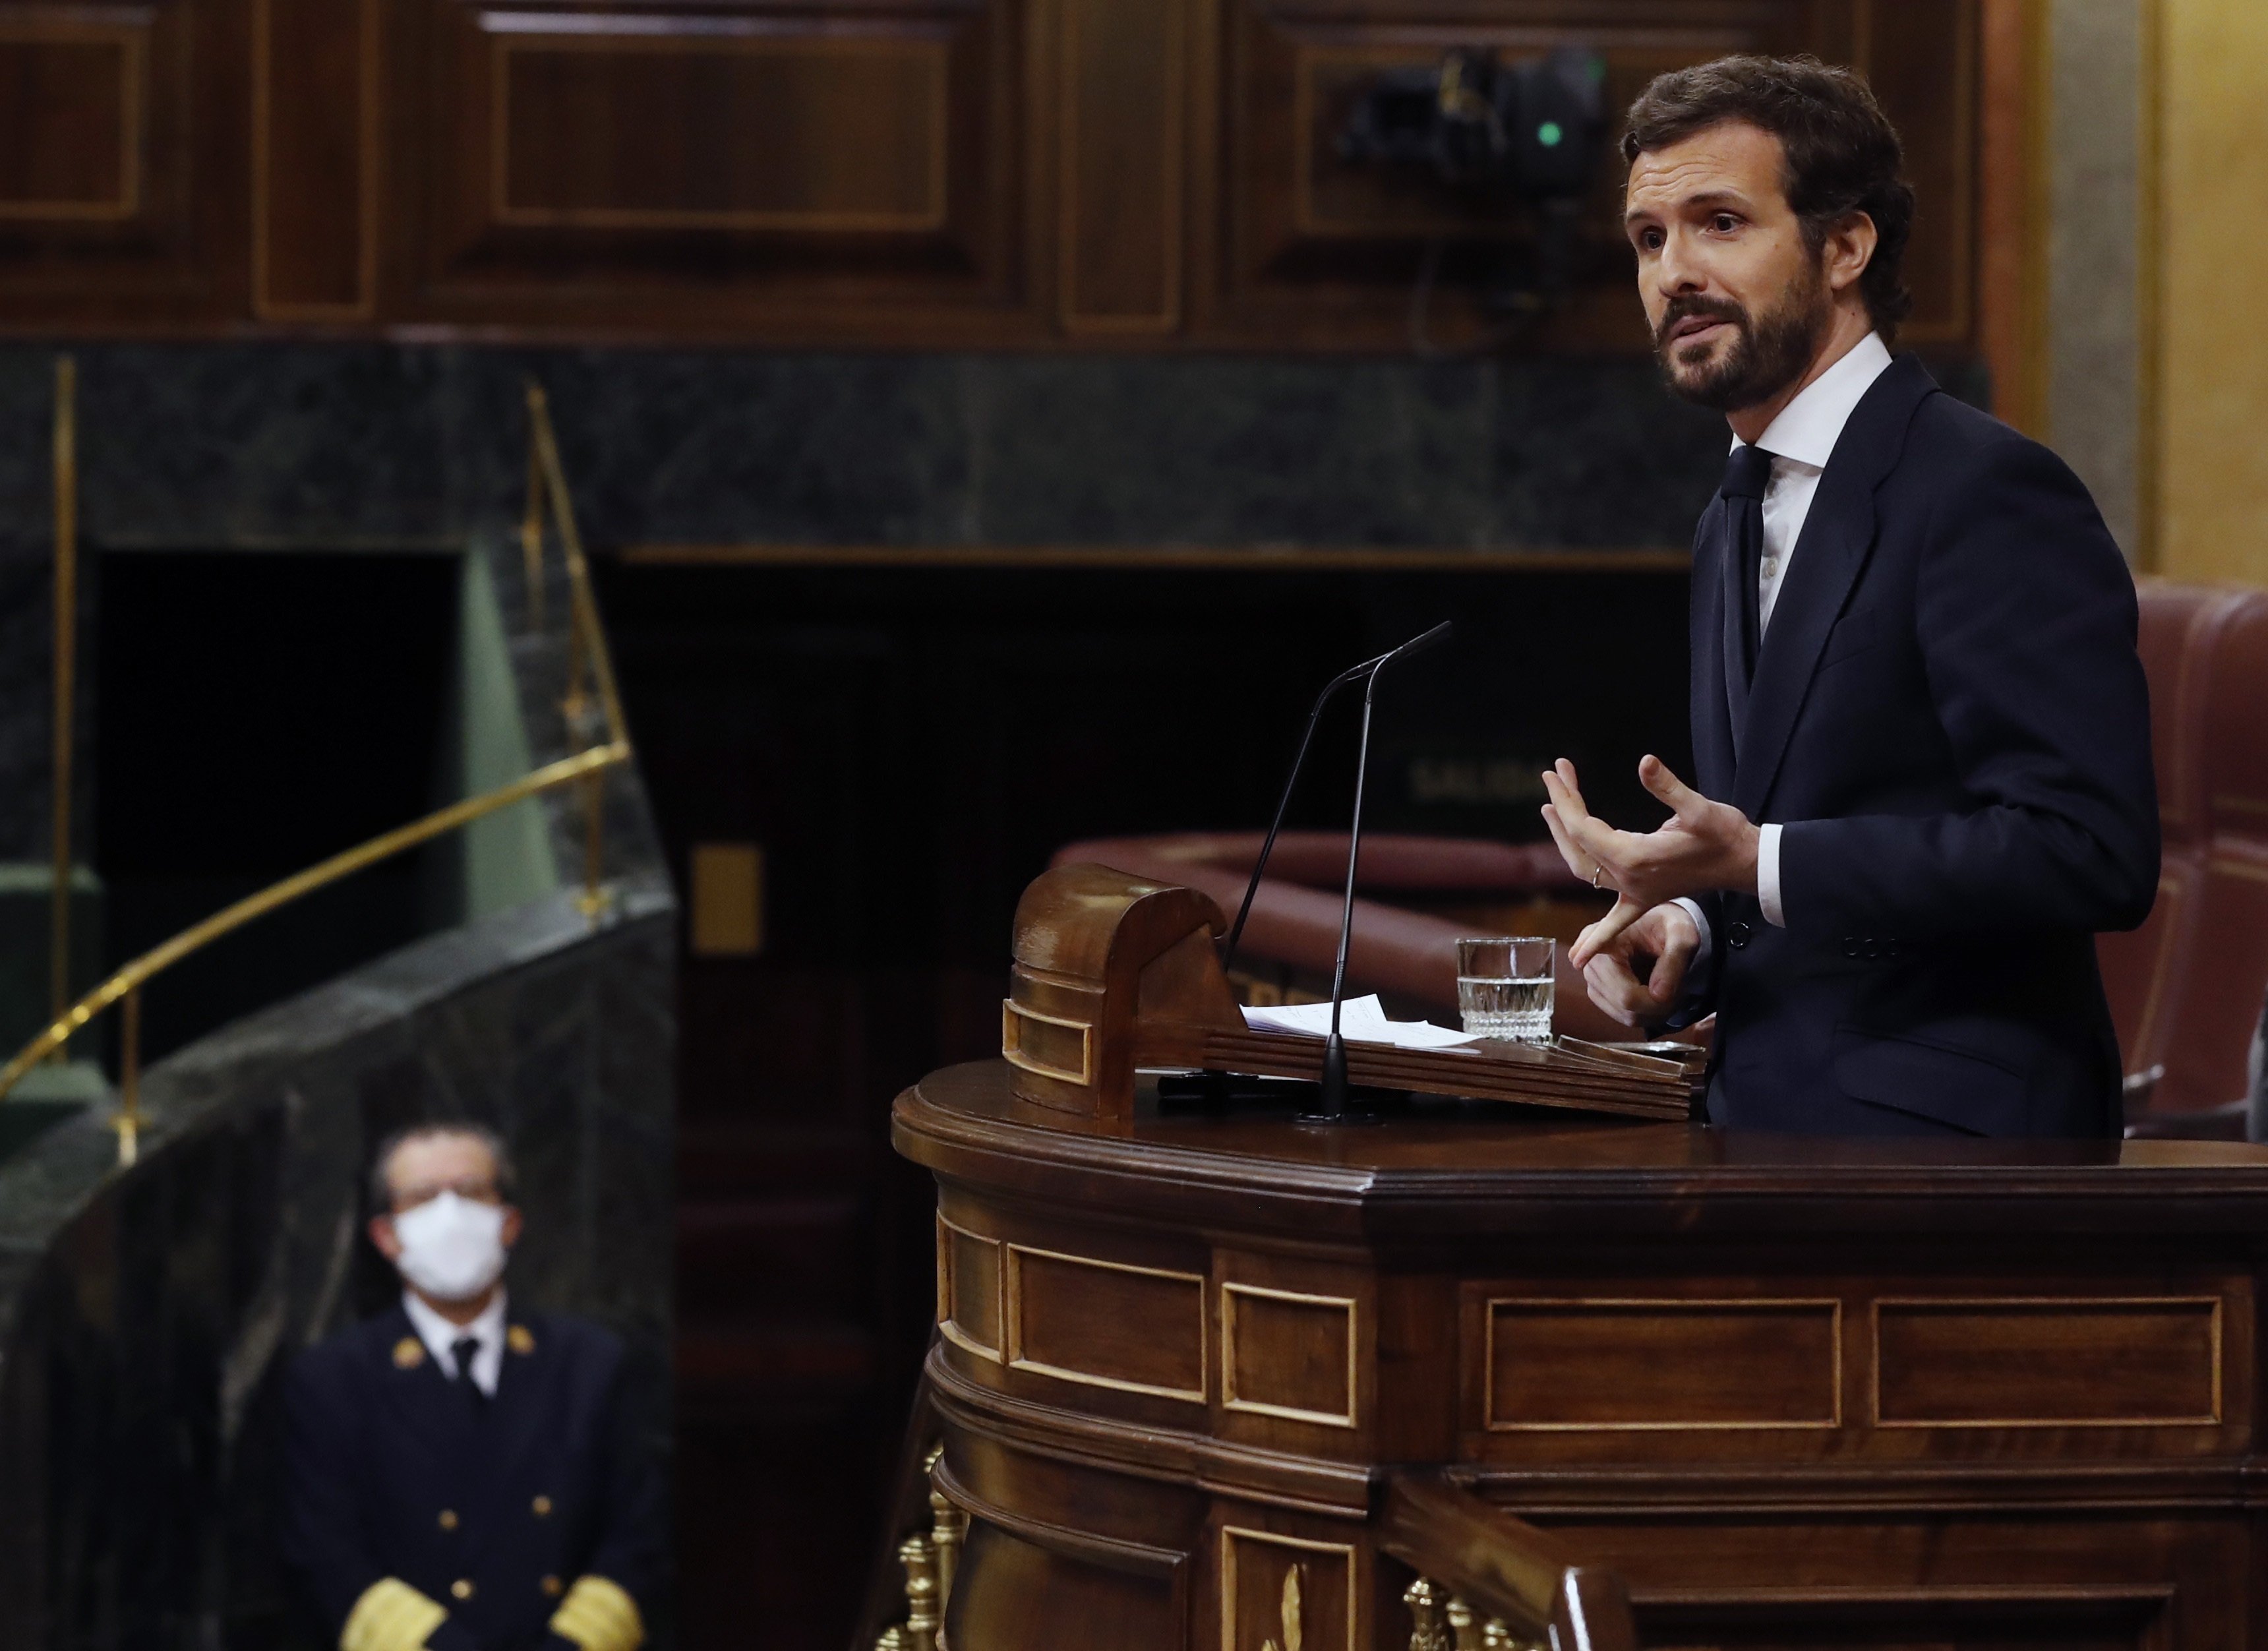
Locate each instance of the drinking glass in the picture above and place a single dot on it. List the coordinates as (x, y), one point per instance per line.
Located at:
(1503, 987)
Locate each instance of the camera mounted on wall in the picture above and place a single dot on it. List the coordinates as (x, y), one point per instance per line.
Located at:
(1523, 134)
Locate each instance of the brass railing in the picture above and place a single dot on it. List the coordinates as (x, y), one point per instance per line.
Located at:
(587, 654)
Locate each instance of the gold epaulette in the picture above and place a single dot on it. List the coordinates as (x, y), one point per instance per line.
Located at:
(390, 1615)
(598, 1615)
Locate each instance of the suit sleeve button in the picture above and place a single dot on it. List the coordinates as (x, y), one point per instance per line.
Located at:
(552, 1587)
(1736, 935)
(448, 1519)
(542, 1508)
(461, 1588)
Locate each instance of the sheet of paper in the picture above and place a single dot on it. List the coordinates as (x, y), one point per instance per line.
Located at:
(1361, 1021)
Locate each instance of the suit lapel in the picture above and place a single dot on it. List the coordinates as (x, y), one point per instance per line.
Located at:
(1838, 534)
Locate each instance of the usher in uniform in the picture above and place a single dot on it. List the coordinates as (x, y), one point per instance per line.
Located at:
(471, 1488)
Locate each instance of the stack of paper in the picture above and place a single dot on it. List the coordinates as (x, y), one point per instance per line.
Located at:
(1361, 1021)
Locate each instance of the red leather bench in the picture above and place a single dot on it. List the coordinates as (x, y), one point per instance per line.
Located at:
(2186, 988)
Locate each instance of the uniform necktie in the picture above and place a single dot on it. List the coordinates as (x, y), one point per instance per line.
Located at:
(464, 1348)
(1748, 472)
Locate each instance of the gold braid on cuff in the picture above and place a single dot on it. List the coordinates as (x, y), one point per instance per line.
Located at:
(598, 1615)
(390, 1615)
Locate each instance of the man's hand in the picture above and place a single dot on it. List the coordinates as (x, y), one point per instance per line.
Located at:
(1702, 846)
(1667, 935)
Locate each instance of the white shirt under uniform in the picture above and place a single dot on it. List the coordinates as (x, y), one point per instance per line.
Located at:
(440, 1338)
(1800, 441)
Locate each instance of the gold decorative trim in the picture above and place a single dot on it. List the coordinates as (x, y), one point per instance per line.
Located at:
(1231, 1534)
(947, 1326)
(759, 38)
(1012, 1043)
(1228, 1395)
(1875, 1369)
(1012, 1308)
(600, 1615)
(1492, 1424)
(132, 39)
(391, 1616)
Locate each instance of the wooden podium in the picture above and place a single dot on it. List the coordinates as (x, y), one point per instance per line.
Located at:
(1225, 1382)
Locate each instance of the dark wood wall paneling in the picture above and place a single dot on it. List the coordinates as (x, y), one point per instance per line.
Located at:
(1087, 173)
(122, 189)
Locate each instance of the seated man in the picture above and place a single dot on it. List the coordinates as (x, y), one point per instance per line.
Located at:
(459, 1477)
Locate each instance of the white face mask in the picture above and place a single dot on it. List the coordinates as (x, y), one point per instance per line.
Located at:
(452, 1247)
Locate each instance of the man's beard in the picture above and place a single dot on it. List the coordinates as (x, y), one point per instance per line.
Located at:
(1767, 356)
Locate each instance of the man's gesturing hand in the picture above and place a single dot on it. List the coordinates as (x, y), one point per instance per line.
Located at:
(1668, 936)
(1702, 846)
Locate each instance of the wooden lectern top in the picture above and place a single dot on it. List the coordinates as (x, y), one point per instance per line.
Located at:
(1113, 973)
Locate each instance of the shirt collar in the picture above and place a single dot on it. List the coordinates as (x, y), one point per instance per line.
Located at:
(440, 1335)
(1808, 426)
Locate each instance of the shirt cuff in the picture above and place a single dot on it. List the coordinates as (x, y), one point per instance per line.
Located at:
(1768, 875)
(1700, 952)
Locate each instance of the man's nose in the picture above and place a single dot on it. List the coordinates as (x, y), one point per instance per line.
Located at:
(1676, 270)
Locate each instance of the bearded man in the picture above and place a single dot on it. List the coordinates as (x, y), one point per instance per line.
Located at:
(1920, 728)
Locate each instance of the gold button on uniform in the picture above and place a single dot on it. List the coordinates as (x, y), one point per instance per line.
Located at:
(461, 1588)
(552, 1587)
(544, 1508)
(448, 1519)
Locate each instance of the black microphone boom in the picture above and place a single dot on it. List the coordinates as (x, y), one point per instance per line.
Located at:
(1298, 760)
(1331, 1102)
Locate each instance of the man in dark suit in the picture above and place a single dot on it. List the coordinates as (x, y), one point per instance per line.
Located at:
(1920, 728)
(463, 1478)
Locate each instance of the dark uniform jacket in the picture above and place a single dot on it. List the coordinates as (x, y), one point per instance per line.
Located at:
(1949, 718)
(492, 1510)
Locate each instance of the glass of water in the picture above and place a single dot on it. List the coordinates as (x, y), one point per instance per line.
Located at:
(1503, 987)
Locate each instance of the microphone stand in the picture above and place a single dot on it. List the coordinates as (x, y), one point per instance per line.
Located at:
(1283, 802)
(1331, 1102)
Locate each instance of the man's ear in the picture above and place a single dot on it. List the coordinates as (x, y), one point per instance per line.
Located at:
(1849, 248)
(511, 1234)
(382, 1235)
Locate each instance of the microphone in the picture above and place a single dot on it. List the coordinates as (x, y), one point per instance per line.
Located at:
(1331, 1098)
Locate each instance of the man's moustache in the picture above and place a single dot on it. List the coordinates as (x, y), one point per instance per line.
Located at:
(1732, 314)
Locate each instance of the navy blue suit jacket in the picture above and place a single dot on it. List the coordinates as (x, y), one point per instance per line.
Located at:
(379, 1449)
(1949, 720)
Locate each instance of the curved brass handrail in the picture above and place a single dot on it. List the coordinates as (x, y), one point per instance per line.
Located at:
(587, 650)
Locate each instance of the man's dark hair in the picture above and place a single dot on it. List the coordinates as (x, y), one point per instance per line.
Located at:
(381, 1189)
(1843, 154)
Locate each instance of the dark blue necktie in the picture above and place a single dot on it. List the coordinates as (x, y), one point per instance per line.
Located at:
(466, 1348)
(1748, 472)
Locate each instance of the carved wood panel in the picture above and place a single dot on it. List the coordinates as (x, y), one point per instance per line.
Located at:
(121, 133)
(919, 173)
(744, 168)
(315, 139)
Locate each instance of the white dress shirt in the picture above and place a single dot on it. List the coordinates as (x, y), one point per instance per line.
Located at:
(440, 1338)
(1800, 441)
